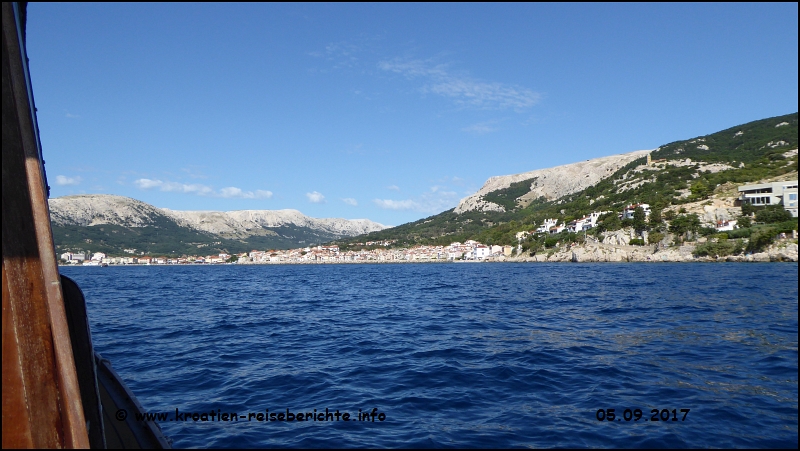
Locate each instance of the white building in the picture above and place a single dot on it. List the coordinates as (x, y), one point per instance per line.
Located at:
(724, 226)
(627, 213)
(545, 227)
(775, 193)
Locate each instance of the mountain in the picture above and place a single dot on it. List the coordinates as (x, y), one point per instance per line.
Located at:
(111, 224)
(549, 183)
(679, 173)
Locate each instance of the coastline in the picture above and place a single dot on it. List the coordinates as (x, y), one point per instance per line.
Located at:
(593, 252)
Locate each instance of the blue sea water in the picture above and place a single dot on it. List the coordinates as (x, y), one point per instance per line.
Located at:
(458, 355)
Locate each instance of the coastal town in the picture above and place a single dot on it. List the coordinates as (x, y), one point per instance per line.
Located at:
(779, 193)
(469, 250)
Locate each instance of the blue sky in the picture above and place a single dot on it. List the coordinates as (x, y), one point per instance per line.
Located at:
(387, 112)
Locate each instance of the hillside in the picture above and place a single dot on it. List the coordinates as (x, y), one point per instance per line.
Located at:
(682, 172)
(504, 192)
(111, 224)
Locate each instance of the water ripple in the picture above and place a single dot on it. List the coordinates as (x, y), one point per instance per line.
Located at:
(504, 355)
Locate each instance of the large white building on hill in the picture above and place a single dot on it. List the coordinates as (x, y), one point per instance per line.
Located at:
(775, 193)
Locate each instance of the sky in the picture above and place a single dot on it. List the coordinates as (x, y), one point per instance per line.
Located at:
(390, 112)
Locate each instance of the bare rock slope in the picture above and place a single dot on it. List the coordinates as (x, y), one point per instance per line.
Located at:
(551, 183)
(242, 223)
(96, 209)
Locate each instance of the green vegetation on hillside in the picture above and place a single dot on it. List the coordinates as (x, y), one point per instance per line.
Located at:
(746, 143)
(507, 197)
(164, 237)
(754, 154)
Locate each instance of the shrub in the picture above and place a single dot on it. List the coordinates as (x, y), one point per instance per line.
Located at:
(773, 214)
(707, 231)
(744, 222)
(718, 249)
(786, 226)
(655, 237)
(637, 242)
(684, 223)
(738, 247)
(760, 240)
(740, 233)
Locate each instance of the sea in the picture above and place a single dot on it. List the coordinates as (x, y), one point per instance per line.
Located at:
(507, 355)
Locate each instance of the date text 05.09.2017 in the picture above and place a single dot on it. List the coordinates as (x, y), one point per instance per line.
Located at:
(636, 415)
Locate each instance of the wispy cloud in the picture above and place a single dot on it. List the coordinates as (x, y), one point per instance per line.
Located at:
(461, 89)
(230, 192)
(393, 187)
(193, 188)
(315, 197)
(390, 204)
(437, 199)
(350, 201)
(71, 116)
(63, 180)
(482, 128)
(342, 54)
(234, 192)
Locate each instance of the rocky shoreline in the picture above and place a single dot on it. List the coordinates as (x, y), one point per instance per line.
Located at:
(781, 251)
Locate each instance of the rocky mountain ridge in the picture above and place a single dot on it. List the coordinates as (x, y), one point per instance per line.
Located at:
(243, 223)
(97, 209)
(550, 183)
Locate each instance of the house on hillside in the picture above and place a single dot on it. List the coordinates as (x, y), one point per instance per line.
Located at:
(775, 193)
(545, 227)
(627, 213)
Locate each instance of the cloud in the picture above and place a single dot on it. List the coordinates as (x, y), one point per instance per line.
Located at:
(147, 183)
(390, 204)
(233, 191)
(436, 200)
(230, 192)
(66, 181)
(71, 116)
(393, 187)
(350, 201)
(200, 190)
(315, 197)
(463, 90)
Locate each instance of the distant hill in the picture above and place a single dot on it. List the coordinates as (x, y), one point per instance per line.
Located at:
(682, 172)
(111, 224)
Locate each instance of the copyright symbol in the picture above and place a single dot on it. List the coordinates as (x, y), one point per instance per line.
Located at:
(121, 414)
